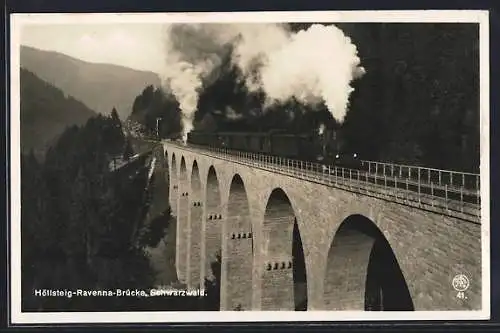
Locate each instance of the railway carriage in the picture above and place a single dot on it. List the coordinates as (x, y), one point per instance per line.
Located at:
(313, 147)
(327, 150)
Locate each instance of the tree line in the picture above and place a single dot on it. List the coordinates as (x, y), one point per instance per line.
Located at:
(82, 225)
(45, 113)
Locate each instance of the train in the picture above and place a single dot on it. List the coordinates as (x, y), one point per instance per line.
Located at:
(323, 148)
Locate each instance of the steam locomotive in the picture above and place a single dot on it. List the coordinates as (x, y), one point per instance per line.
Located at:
(324, 148)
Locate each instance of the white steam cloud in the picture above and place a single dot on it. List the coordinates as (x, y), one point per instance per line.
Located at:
(313, 66)
(194, 53)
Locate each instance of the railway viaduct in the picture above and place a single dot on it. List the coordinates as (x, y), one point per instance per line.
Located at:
(289, 241)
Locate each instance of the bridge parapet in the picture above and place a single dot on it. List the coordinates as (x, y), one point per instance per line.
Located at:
(445, 192)
(423, 175)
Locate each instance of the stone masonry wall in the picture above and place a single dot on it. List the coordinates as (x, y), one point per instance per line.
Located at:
(239, 258)
(430, 248)
(277, 278)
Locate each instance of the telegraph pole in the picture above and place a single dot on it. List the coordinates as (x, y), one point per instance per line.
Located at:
(158, 127)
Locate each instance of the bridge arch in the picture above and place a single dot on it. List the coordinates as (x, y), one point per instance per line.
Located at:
(285, 268)
(362, 272)
(194, 228)
(182, 222)
(238, 256)
(212, 243)
(173, 198)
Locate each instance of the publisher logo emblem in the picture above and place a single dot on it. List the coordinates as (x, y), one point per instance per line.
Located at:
(460, 283)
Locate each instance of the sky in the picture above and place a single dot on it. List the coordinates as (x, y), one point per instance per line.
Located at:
(134, 45)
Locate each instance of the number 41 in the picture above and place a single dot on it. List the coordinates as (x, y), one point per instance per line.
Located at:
(461, 295)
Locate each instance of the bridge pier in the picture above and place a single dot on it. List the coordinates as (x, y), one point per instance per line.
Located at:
(194, 230)
(182, 224)
(224, 290)
(315, 264)
(259, 260)
(173, 196)
(238, 252)
(278, 274)
(211, 241)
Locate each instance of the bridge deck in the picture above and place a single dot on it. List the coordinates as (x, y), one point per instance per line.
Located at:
(453, 200)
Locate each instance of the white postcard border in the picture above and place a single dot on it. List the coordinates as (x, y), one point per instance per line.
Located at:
(414, 16)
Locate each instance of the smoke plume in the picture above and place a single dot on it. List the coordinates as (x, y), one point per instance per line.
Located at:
(313, 66)
(194, 53)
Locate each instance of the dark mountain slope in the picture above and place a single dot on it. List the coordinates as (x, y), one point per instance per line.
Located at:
(45, 112)
(100, 86)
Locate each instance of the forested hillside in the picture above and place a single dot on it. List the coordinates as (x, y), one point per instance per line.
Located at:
(101, 87)
(153, 103)
(84, 226)
(77, 220)
(419, 100)
(46, 112)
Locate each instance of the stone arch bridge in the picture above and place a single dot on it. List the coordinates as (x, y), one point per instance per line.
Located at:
(295, 238)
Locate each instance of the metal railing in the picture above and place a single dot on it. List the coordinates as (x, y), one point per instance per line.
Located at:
(423, 175)
(402, 183)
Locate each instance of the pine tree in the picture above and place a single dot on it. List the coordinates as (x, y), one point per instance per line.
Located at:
(115, 117)
(114, 132)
